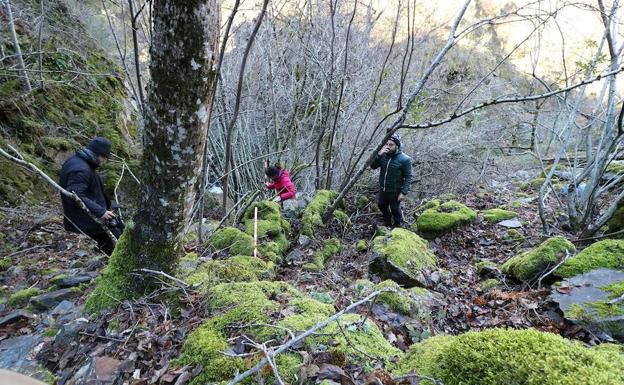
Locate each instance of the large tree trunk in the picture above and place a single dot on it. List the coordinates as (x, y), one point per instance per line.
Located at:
(184, 55)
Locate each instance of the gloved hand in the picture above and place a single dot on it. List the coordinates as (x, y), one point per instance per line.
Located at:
(277, 199)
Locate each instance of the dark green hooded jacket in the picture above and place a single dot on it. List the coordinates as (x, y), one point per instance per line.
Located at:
(395, 174)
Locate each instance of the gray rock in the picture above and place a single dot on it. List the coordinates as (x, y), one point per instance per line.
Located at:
(295, 255)
(49, 300)
(510, 223)
(75, 280)
(17, 354)
(583, 300)
(385, 269)
(63, 308)
(15, 316)
(69, 331)
(304, 240)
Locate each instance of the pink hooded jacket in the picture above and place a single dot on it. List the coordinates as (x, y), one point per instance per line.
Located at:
(284, 186)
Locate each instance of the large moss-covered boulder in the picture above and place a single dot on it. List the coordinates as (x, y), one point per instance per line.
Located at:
(313, 214)
(594, 300)
(251, 308)
(272, 229)
(530, 264)
(233, 240)
(329, 250)
(506, 357)
(403, 257)
(608, 253)
(444, 217)
(498, 215)
(232, 306)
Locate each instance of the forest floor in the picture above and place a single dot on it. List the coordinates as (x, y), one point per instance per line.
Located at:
(137, 340)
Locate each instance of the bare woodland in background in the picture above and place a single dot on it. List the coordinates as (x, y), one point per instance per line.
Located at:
(315, 86)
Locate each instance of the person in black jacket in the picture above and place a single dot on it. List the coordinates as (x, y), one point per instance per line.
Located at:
(395, 179)
(80, 176)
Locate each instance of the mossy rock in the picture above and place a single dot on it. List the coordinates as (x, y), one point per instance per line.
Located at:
(240, 268)
(313, 214)
(249, 308)
(616, 223)
(353, 336)
(498, 215)
(533, 184)
(415, 302)
(489, 284)
(5, 263)
(513, 235)
(272, 229)
(233, 240)
(504, 357)
(530, 264)
(361, 202)
(593, 300)
(443, 218)
(21, 297)
(487, 269)
(330, 248)
(342, 217)
(403, 257)
(430, 204)
(608, 253)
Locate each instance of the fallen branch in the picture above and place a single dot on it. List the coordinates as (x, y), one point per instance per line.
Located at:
(72, 195)
(174, 279)
(304, 335)
(549, 272)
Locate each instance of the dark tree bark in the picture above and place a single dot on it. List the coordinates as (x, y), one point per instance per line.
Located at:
(183, 67)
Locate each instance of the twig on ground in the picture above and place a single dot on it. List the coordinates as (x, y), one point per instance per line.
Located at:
(352, 344)
(539, 281)
(176, 280)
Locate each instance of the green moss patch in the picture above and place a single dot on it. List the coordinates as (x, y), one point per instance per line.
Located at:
(530, 264)
(239, 268)
(608, 253)
(21, 297)
(329, 250)
(443, 218)
(497, 215)
(5, 263)
(233, 240)
(313, 214)
(489, 283)
(504, 357)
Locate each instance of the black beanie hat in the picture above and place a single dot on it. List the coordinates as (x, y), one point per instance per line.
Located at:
(396, 138)
(100, 146)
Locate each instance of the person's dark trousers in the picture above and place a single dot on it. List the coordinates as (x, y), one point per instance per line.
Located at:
(390, 207)
(103, 240)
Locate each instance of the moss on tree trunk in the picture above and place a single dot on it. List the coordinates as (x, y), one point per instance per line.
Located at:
(184, 53)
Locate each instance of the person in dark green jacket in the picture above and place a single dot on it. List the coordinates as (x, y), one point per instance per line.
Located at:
(395, 179)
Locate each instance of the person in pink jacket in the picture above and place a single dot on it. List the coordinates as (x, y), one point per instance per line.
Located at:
(281, 183)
